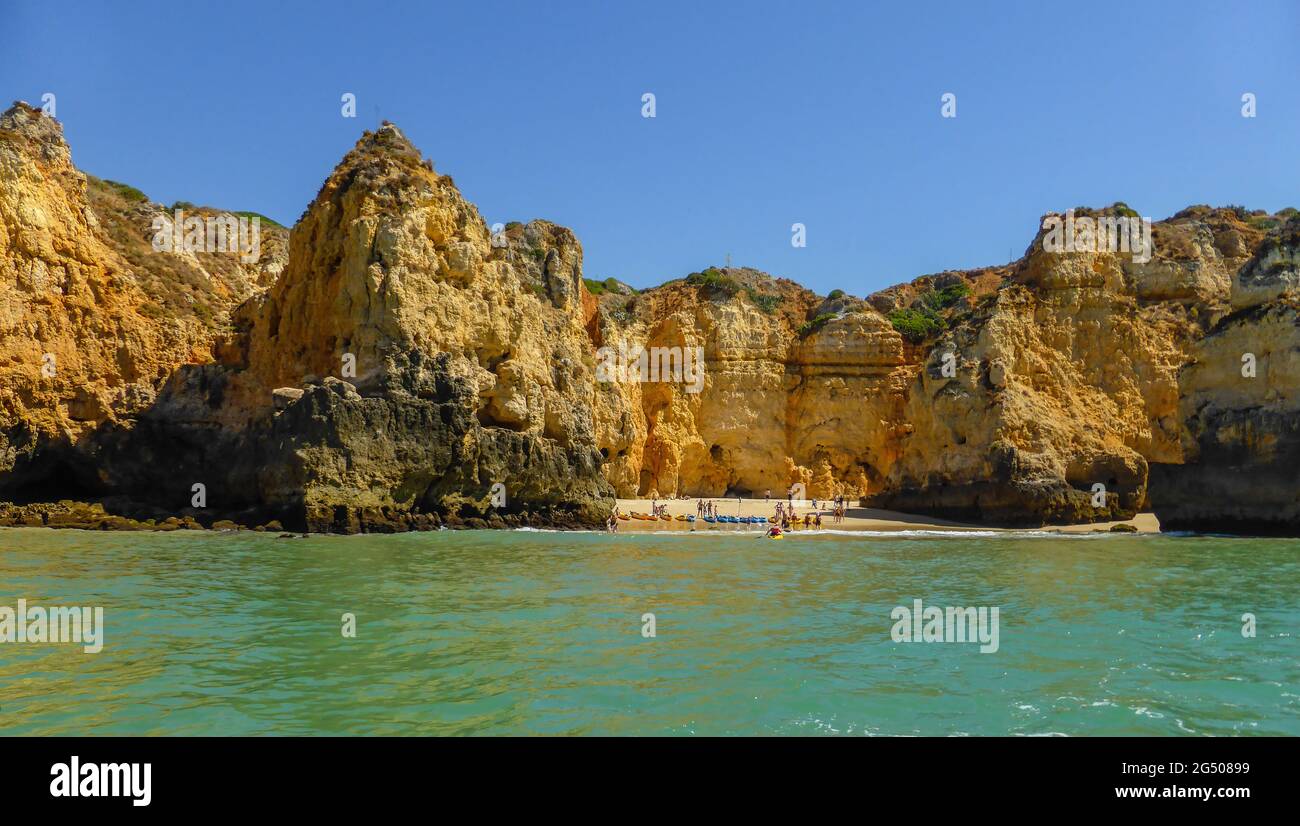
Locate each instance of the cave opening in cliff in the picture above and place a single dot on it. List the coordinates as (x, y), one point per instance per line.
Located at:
(49, 480)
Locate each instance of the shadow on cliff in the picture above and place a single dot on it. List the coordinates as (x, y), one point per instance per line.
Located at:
(406, 453)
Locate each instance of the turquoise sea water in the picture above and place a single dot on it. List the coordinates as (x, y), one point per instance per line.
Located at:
(482, 632)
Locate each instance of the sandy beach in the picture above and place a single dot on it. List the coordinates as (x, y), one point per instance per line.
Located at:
(856, 518)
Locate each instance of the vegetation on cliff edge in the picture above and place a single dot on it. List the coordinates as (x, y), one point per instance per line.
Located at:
(923, 319)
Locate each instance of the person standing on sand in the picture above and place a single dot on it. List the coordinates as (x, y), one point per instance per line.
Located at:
(817, 520)
(768, 495)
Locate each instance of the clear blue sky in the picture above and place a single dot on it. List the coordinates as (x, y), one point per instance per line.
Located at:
(768, 114)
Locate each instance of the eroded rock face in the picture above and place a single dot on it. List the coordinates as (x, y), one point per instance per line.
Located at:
(1055, 375)
(385, 374)
(92, 321)
(399, 368)
(1240, 405)
(1066, 385)
(778, 405)
(393, 361)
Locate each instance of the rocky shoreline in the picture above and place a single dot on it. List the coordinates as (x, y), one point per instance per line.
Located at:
(395, 363)
(98, 516)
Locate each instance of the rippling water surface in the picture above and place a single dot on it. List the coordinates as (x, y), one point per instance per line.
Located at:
(540, 633)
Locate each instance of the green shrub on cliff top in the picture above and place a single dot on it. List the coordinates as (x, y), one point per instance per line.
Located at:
(810, 327)
(126, 191)
(609, 285)
(948, 296)
(917, 324)
(712, 279)
(924, 319)
(262, 219)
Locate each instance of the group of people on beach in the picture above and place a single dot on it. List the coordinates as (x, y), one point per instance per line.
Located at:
(787, 518)
(837, 513)
(785, 510)
(707, 507)
(785, 515)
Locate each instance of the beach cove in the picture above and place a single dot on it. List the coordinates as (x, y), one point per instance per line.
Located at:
(855, 519)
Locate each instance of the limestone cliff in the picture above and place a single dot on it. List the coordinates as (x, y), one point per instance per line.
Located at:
(1033, 393)
(464, 359)
(1240, 405)
(388, 372)
(1065, 381)
(92, 321)
(392, 364)
(797, 390)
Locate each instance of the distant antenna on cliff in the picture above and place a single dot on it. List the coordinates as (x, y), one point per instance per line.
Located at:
(728, 260)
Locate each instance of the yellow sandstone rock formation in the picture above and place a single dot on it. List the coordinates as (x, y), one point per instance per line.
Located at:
(1240, 406)
(91, 319)
(393, 364)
